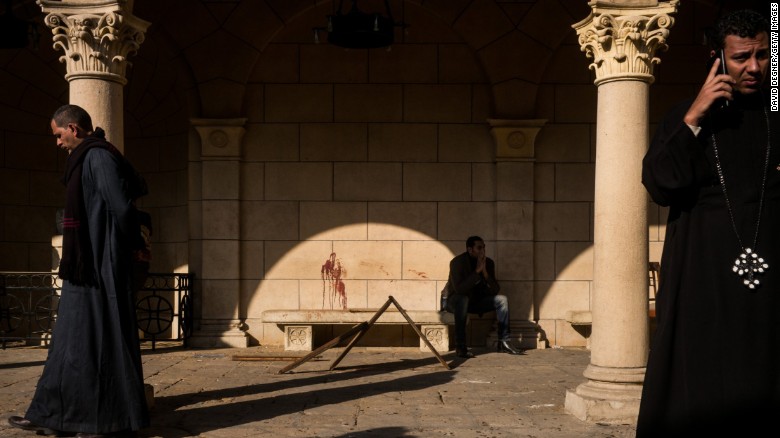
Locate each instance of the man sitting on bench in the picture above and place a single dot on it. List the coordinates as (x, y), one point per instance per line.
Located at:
(472, 288)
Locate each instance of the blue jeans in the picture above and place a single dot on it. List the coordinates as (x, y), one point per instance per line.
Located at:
(462, 305)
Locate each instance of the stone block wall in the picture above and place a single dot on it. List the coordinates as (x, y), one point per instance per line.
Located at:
(383, 158)
(30, 163)
(363, 171)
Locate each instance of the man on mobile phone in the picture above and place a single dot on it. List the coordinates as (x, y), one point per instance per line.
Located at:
(742, 73)
(714, 365)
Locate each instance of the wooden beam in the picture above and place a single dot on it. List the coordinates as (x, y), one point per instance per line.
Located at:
(261, 357)
(332, 343)
(357, 333)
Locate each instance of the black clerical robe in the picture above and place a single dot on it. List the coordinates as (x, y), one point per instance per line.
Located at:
(714, 364)
(92, 381)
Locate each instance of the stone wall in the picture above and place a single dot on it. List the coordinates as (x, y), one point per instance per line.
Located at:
(378, 161)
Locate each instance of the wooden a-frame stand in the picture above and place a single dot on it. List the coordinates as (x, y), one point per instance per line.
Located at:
(359, 330)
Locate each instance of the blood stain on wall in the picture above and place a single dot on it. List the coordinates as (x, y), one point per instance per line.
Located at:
(334, 291)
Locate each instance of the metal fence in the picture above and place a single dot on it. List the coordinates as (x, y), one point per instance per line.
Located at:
(29, 302)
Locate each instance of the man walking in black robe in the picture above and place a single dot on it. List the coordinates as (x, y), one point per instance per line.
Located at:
(714, 364)
(92, 383)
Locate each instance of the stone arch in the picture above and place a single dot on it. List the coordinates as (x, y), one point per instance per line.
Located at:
(160, 97)
(32, 89)
(514, 42)
(286, 45)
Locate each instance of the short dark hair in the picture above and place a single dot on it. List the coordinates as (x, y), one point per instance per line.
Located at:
(72, 114)
(744, 23)
(472, 240)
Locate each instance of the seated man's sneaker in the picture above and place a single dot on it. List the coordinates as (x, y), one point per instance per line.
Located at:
(464, 353)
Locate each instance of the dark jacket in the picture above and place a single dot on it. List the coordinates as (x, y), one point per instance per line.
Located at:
(465, 280)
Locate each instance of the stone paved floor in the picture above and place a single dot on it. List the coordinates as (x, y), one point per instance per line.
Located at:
(372, 393)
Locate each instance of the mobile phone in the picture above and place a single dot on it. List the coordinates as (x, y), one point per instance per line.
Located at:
(723, 71)
(722, 56)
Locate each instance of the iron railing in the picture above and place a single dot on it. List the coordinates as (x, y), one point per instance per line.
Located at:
(29, 302)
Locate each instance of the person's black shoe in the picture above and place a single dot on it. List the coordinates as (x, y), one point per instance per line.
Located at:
(22, 423)
(25, 424)
(504, 347)
(464, 353)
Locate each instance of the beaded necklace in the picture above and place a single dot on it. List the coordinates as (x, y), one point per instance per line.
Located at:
(748, 264)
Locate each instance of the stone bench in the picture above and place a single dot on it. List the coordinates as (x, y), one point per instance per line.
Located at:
(581, 320)
(579, 317)
(297, 324)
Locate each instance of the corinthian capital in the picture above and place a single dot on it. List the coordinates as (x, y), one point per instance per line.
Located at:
(622, 41)
(97, 36)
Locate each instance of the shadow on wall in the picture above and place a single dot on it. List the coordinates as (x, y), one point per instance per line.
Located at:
(336, 274)
(321, 273)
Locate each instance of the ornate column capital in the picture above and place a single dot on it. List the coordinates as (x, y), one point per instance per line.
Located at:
(622, 41)
(97, 36)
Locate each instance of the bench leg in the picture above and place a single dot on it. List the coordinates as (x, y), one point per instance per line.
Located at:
(438, 335)
(297, 338)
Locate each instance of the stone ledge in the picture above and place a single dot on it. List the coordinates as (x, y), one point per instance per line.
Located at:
(581, 321)
(355, 316)
(579, 317)
(297, 324)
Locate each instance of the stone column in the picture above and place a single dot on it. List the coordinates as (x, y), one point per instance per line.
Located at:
(515, 161)
(622, 42)
(97, 37)
(219, 235)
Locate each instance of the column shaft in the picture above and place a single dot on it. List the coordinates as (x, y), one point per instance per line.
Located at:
(620, 278)
(104, 101)
(515, 167)
(621, 38)
(217, 247)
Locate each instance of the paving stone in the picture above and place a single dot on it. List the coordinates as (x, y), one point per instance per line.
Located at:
(394, 392)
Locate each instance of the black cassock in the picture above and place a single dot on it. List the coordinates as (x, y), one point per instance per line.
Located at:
(93, 380)
(714, 364)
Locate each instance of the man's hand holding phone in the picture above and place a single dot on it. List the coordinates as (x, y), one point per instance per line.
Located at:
(718, 85)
